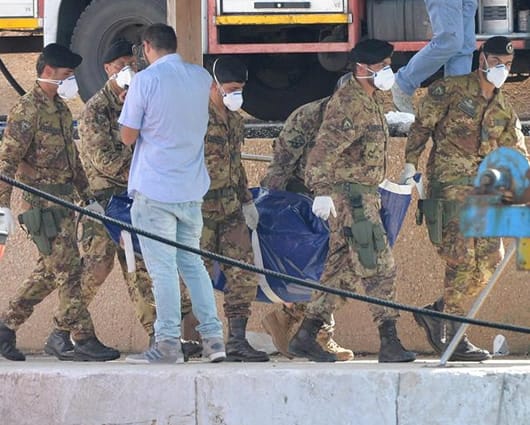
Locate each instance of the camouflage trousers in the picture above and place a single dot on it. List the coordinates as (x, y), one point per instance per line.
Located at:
(230, 237)
(98, 253)
(469, 264)
(344, 269)
(60, 270)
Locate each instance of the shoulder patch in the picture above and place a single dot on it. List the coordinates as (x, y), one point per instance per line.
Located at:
(437, 91)
(347, 124)
(297, 142)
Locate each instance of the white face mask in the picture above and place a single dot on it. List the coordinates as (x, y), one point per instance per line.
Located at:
(233, 100)
(383, 79)
(496, 75)
(67, 88)
(124, 77)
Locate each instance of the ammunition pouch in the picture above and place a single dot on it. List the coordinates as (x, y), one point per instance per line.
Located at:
(365, 237)
(43, 225)
(438, 213)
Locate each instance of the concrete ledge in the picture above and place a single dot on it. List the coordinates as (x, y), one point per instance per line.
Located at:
(44, 391)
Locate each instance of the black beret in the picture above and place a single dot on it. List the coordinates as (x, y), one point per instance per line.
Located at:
(60, 56)
(371, 51)
(498, 45)
(229, 69)
(118, 49)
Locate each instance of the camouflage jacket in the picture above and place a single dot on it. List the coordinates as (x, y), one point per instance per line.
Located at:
(292, 146)
(229, 185)
(464, 127)
(351, 145)
(38, 142)
(105, 158)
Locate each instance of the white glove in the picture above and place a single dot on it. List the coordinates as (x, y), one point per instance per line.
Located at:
(409, 171)
(7, 221)
(95, 207)
(250, 212)
(323, 206)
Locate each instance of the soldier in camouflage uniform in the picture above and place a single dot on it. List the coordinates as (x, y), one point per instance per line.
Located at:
(38, 147)
(467, 117)
(343, 171)
(228, 205)
(286, 172)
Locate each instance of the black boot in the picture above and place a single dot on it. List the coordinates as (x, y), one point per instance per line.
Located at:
(59, 345)
(237, 347)
(92, 350)
(391, 350)
(304, 343)
(465, 350)
(8, 344)
(190, 348)
(433, 326)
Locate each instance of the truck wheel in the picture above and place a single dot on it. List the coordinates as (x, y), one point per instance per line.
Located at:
(99, 25)
(278, 84)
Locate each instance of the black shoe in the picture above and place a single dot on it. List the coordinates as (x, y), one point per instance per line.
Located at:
(191, 349)
(433, 326)
(59, 345)
(391, 350)
(92, 350)
(304, 343)
(8, 344)
(237, 347)
(465, 350)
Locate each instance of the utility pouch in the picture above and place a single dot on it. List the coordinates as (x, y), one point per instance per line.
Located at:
(432, 210)
(43, 225)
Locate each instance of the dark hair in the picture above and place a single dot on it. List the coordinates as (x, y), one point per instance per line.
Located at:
(41, 63)
(161, 37)
(229, 69)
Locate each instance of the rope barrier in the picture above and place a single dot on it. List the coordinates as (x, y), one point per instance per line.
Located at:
(230, 261)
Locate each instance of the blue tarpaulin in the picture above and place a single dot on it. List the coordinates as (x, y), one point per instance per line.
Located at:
(289, 239)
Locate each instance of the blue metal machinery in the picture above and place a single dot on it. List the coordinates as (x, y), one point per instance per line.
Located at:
(487, 213)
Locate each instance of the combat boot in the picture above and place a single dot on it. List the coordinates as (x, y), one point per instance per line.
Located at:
(281, 326)
(465, 350)
(59, 345)
(326, 341)
(391, 350)
(8, 344)
(304, 343)
(433, 326)
(92, 350)
(237, 347)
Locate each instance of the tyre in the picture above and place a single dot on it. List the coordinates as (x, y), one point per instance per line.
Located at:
(278, 84)
(99, 25)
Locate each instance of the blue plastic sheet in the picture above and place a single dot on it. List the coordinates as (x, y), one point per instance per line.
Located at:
(395, 201)
(289, 239)
(119, 208)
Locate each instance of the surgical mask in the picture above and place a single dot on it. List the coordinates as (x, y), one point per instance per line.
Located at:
(124, 77)
(67, 88)
(384, 79)
(496, 75)
(233, 100)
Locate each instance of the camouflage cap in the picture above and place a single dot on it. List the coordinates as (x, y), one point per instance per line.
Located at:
(117, 49)
(371, 51)
(60, 56)
(498, 45)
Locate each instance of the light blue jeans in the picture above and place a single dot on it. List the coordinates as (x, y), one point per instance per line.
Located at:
(181, 222)
(452, 44)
